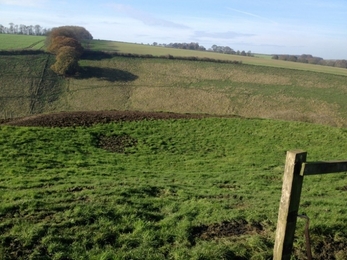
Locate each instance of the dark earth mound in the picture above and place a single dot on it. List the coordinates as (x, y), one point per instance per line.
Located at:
(89, 118)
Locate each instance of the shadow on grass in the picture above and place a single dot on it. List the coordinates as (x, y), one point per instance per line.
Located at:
(96, 55)
(108, 74)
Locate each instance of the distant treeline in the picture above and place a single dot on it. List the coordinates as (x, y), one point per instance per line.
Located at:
(307, 58)
(24, 29)
(197, 47)
(99, 55)
(185, 46)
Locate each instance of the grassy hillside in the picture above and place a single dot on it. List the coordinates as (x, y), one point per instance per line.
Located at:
(175, 189)
(27, 85)
(172, 85)
(15, 42)
(205, 87)
(262, 60)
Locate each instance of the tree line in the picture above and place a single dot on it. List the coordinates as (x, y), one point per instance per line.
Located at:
(24, 29)
(185, 46)
(228, 50)
(308, 58)
(197, 47)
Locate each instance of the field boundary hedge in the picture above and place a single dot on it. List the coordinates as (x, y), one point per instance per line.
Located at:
(99, 55)
(21, 52)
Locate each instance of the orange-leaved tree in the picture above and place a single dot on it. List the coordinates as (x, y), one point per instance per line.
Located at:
(66, 61)
(76, 32)
(65, 42)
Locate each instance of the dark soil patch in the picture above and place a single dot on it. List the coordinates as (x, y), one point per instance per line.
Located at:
(344, 188)
(14, 249)
(115, 143)
(89, 118)
(226, 229)
(3, 121)
(330, 249)
(79, 188)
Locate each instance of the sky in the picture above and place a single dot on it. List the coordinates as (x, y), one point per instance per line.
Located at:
(316, 27)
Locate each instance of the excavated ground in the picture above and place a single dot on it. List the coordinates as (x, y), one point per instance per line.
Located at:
(88, 118)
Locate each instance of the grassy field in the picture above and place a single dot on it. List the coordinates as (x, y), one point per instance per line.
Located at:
(174, 86)
(15, 42)
(181, 189)
(260, 60)
(205, 87)
(27, 85)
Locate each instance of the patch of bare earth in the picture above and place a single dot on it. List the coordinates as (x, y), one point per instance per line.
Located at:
(89, 118)
(330, 249)
(226, 229)
(115, 143)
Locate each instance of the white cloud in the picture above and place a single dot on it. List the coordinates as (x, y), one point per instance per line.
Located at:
(23, 2)
(147, 18)
(253, 15)
(221, 35)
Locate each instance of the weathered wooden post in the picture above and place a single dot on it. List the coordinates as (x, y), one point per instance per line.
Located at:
(295, 169)
(289, 205)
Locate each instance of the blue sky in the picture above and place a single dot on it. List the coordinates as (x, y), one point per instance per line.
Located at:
(314, 27)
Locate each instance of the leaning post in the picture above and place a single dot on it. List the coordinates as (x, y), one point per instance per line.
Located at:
(289, 204)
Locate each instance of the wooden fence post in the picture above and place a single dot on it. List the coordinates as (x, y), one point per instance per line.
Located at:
(289, 204)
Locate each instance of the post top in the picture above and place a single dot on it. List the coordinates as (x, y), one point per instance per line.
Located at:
(296, 151)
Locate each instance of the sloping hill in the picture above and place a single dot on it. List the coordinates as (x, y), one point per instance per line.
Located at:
(28, 86)
(181, 86)
(258, 59)
(112, 82)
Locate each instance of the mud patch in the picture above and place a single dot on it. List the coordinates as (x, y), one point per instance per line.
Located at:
(226, 229)
(344, 188)
(330, 249)
(90, 118)
(115, 143)
(79, 188)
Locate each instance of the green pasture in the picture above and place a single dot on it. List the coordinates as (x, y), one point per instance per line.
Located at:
(15, 42)
(260, 60)
(263, 56)
(28, 85)
(208, 87)
(168, 193)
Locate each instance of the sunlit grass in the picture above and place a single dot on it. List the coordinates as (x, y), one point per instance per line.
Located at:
(63, 197)
(27, 84)
(215, 88)
(15, 42)
(262, 60)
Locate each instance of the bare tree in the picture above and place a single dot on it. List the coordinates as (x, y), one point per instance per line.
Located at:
(37, 29)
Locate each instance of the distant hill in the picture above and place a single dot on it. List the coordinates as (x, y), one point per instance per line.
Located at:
(111, 82)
